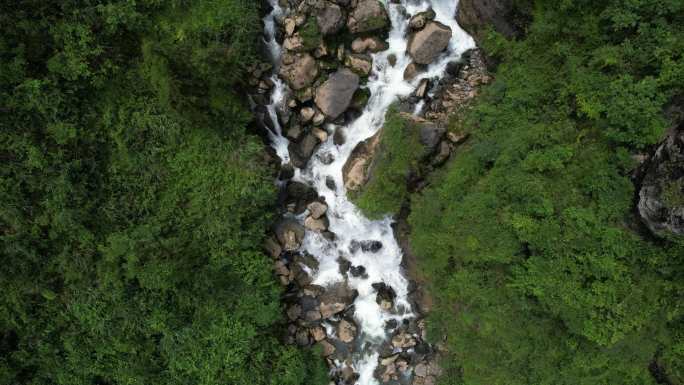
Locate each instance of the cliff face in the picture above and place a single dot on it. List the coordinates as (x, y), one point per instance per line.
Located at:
(475, 16)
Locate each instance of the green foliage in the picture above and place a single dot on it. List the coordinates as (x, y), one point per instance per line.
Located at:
(311, 35)
(529, 238)
(134, 199)
(396, 157)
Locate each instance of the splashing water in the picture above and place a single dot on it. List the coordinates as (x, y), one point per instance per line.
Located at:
(386, 84)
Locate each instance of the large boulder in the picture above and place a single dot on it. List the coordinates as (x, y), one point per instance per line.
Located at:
(301, 151)
(336, 298)
(330, 18)
(369, 15)
(661, 198)
(356, 171)
(334, 96)
(425, 45)
(299, 71)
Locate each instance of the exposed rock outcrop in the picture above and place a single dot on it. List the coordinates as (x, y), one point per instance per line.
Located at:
(474, 16)
(661, 198)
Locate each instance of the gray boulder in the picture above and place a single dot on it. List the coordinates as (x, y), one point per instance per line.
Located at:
(334, 96)
(330, 18)
(425, 45)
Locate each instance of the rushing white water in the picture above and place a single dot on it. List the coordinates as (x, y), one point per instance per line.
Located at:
(386, 84)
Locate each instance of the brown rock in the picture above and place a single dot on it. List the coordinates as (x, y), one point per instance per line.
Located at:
(355, 172)
(301, 72)
(346, 331)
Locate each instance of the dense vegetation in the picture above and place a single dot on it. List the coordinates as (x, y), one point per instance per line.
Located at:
(540, 269)
(133, 199)
(396, 162)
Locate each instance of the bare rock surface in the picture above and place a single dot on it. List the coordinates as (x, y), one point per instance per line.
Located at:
(427, 44)
(301, 71)
(334, 96)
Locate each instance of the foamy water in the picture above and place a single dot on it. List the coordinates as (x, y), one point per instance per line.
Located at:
(386, 84)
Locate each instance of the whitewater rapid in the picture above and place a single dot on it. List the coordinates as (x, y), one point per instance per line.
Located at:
(386, 85)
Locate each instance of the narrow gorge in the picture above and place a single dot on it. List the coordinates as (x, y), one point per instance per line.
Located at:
(337, 68)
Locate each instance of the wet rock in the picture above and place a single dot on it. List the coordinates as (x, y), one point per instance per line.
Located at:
(330, 183)
(338, 137)
(358, 271)
(290, 234)
(301, 72)
(369, 246)
(368, 44)
(299, 194)
(336, 298)
(317, 209)
(392, 60)
(386, 295)
(412, 70)
(320, 133)
(345, 265)
(422, 89)
(335, 95)
(369, 15)
(359, 63)
(346, 331)
(426, 45)
(330, 18)
(316, 224)
(356, 170)
(301, 151)
(419, 20)
(403, 340)
(391, 324)
(661, 198)
(286, 172)
(294, 131)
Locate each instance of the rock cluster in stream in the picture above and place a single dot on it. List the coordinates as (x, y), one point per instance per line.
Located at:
(325, 77)
(324, 316)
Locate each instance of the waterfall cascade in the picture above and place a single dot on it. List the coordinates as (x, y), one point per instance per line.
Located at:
(382, 260)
